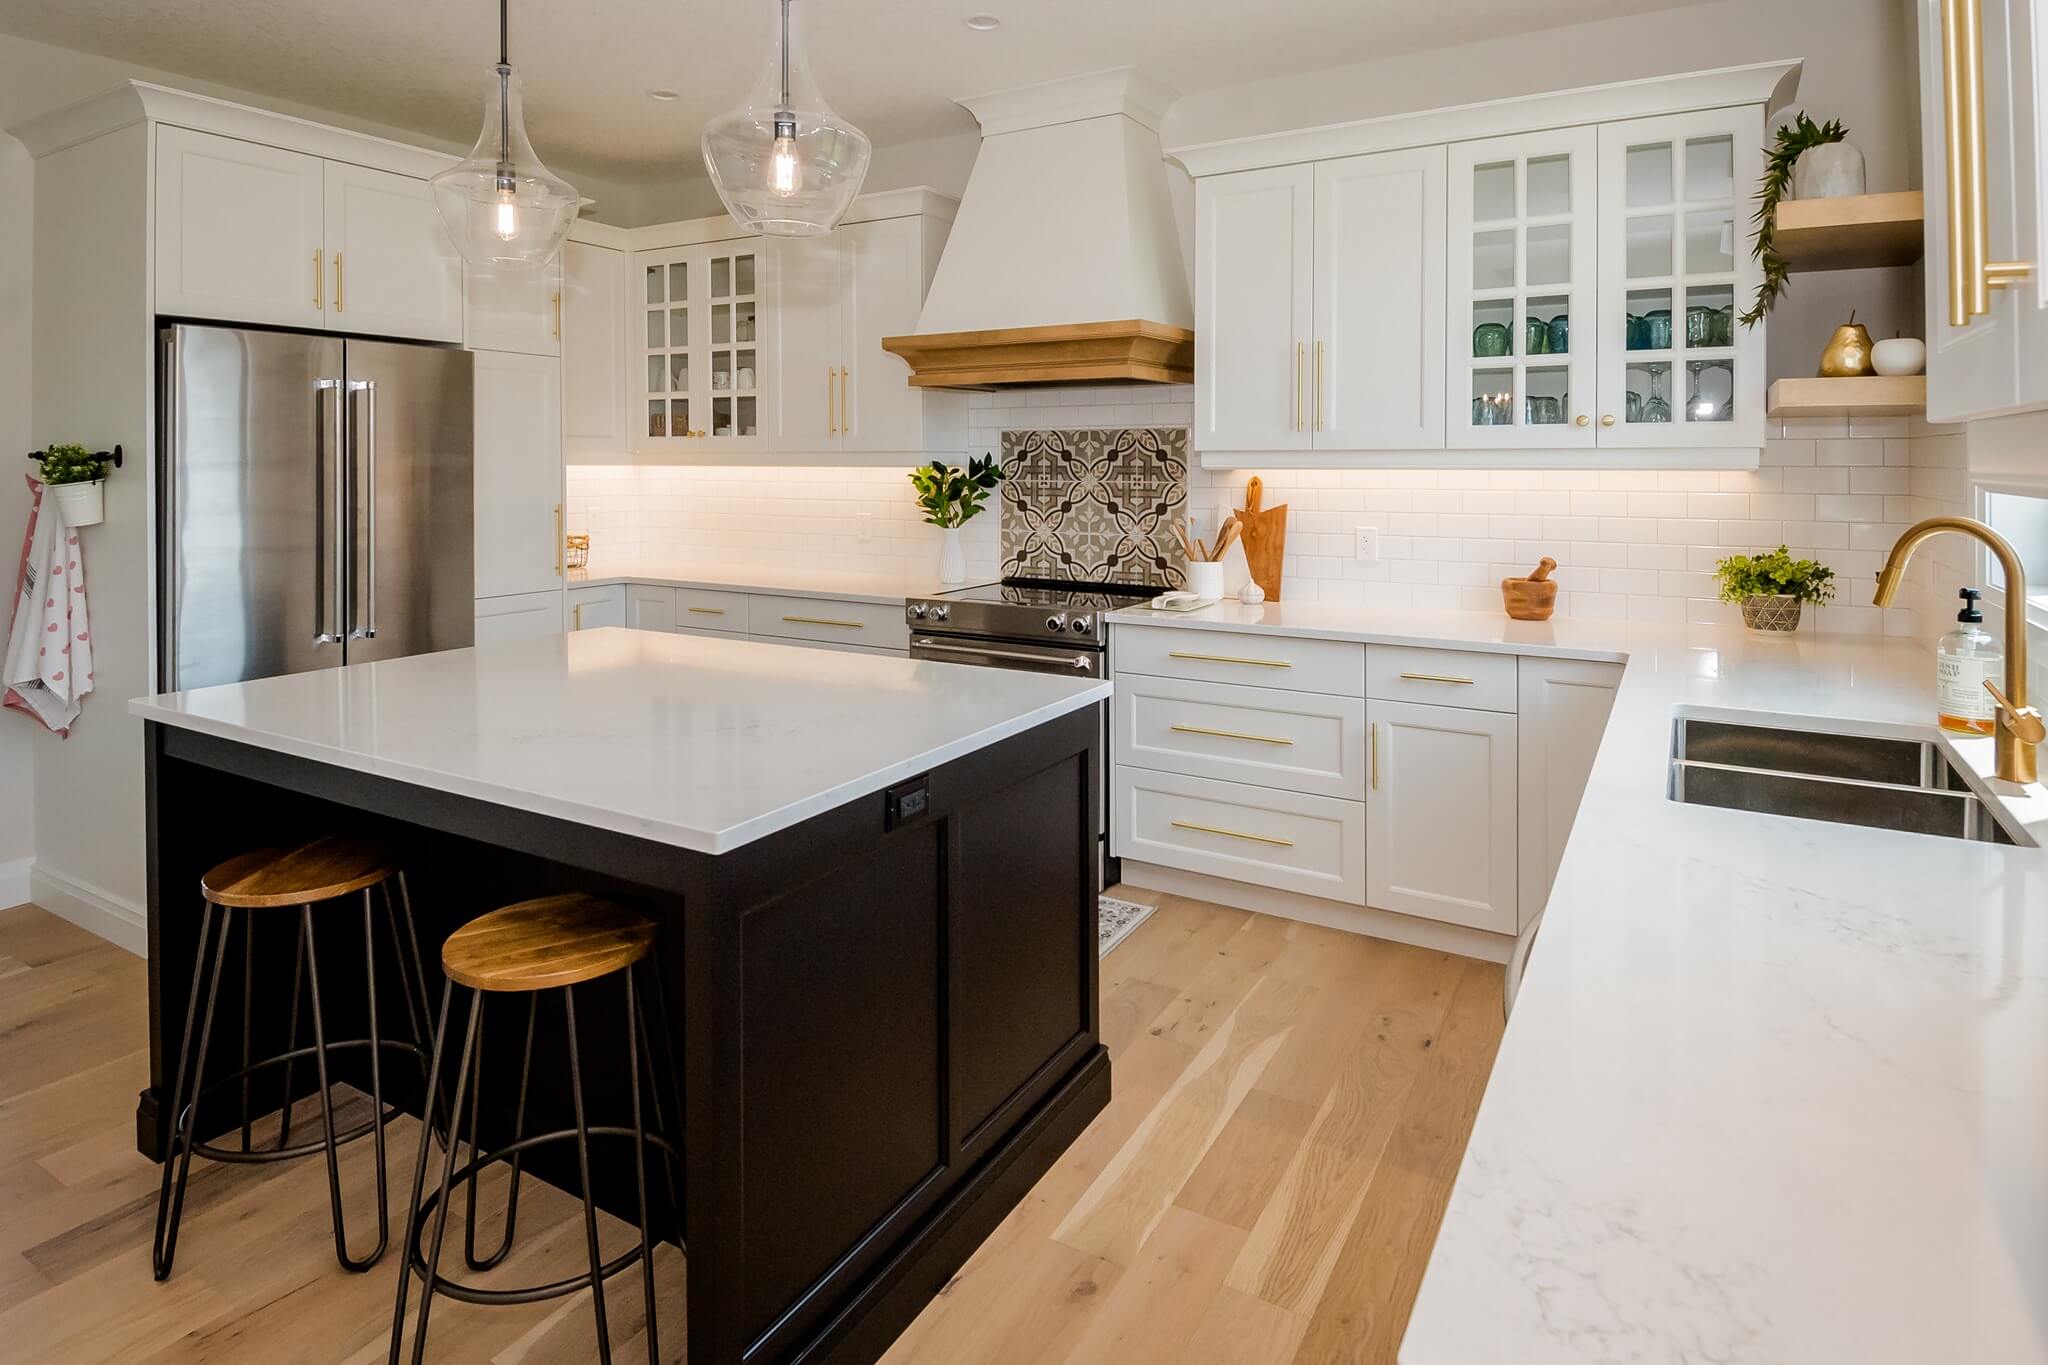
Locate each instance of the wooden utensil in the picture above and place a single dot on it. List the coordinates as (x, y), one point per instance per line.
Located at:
(1264, 533)
(1533, 598)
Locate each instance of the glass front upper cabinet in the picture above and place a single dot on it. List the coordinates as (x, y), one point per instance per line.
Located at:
(1522, 288)
(703, 344)
(1676, 269)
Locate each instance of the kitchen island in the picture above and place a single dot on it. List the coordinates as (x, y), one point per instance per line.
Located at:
(875, 880)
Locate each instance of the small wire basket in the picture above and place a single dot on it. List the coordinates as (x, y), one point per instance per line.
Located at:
(576, 553)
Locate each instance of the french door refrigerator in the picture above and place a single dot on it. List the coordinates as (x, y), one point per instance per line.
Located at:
(314, 503)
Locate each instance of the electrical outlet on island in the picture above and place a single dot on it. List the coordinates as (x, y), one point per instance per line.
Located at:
(1368, 551)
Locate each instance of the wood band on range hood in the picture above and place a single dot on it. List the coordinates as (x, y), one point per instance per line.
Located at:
(1150, 352)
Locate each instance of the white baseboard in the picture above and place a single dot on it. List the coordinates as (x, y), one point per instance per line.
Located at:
(14, 881)
(1355, 919)
(91, 909)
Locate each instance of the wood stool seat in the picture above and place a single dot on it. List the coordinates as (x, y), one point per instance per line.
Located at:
(547, 943)
(330, 867)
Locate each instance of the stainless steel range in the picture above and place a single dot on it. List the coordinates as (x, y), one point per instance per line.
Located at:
(1037, 625)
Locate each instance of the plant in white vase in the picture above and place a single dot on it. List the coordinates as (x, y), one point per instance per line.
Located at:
(951, 497)
(73, 475)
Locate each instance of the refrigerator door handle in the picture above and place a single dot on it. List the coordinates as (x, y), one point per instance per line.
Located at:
(332, 607)
(363, 440)
(167, 440)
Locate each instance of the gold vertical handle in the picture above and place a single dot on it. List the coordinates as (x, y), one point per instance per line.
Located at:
(845, 427)
(319, 281)
(558, 540)
(1972, 274)
(1300, 367)
(1319, 385)
(1374, 731)
(337, 281)
(576, 617)
(558, 315)
(831, 400)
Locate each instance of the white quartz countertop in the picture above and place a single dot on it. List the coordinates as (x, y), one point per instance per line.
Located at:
(1774, 1090)
(838, 584)
(704, 743)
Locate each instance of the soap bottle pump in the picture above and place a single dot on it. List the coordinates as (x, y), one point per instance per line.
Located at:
(1963, 659)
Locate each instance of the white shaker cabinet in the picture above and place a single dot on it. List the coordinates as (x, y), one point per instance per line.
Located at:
(702, 309)
(515, 310)
(1254, 309)
(1564, 708)
(590, 608)
(804, 340)
(650, 607)
(240, 230)
(392, 269)
(526, 616)
(518, 473)
(593, 303)
(1377, 380)
(1440, 814)
(884, 269)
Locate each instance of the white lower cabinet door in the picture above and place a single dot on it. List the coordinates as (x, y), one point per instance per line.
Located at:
(523, 616)
(590, 608)
(1564, 706)
(1440, 814)
(650, 608)
(1299, 741)
(1288, 840)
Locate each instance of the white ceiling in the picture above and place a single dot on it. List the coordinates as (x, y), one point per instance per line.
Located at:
(892, 66)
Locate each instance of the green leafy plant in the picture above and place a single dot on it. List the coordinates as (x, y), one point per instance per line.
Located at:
(1803, 133)
(70, 464)
(950, 495)
(1775, 574)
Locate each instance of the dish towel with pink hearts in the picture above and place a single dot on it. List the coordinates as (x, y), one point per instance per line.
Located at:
(49, 648)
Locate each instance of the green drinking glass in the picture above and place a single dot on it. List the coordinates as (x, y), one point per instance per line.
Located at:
(1491, 339)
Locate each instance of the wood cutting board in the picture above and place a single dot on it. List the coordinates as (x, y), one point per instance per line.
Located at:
(1264, 533)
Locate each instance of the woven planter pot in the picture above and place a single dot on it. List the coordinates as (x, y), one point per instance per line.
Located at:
(1771, 615)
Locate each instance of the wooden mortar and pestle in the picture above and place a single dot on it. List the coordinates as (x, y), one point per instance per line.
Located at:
(1532, 598)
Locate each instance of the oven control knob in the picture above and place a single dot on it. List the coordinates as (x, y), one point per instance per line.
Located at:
(918, 610)
(1083, 624)
(1055, 623)
(940, 611)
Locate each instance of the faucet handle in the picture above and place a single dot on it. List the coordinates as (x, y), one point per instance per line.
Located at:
(2024, 721)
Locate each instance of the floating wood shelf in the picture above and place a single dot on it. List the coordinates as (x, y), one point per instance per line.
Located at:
(1089, 352)
(1852, 233)
(1874, 396)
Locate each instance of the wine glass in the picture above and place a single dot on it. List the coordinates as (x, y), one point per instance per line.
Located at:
(1655, 409)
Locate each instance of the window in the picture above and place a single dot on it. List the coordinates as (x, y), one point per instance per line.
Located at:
(2021, 518)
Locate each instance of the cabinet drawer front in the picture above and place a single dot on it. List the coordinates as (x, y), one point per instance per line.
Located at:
(1295, 741)
(1311, 844)
(709, 609)
(1260, 660)
(870, 625)
(1441, 677)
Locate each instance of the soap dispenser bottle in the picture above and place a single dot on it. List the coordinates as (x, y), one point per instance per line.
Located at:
(1963, 659)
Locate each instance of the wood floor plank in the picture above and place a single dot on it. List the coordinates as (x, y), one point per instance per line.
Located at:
(1152, 1314)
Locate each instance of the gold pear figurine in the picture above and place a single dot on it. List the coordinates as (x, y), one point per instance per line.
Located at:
(1848, 352)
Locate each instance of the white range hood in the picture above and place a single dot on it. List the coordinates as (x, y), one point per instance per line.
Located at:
(1064, 262)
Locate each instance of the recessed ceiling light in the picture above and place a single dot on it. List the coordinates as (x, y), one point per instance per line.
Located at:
(665, 96)
(984, 23)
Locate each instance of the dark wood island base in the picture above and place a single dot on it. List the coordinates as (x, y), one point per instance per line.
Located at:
(885, 1019)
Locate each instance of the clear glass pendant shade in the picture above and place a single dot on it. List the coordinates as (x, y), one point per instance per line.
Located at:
(502, 207)
(783, 162)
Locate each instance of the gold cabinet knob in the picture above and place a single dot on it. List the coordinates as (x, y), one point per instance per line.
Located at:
(1583, 420)
(1606, 419)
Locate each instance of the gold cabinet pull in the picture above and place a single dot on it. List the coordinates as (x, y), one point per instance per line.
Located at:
(824, 621)
(1435, 677)
(319, 281)
(845, 427)
(1319, 386)
(712, 611)
(1299, 367)
(1373, 731)
(576, 616)
(1234, 834)
(1582, 420)
(831, 401)
(1606, 419)
(558, 540)
(1972, 274)
(1229, 734)
(337, 281)
(558, 315)
(1228, 659)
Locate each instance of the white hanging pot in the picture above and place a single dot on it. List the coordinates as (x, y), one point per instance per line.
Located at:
(81, 504)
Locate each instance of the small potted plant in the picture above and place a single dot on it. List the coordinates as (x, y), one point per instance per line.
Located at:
(73, 474)
(951, 497)
(1774, 588)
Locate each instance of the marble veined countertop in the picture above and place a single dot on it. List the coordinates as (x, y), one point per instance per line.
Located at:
(704, 743)
(793, 581)
(1775, 1090)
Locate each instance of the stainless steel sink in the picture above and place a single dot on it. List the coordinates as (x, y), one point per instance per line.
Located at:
(1873, 780)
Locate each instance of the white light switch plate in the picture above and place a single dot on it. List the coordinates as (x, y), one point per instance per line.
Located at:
(866, 522)
(1368, 544)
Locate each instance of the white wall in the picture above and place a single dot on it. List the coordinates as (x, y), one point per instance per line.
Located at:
(17, 208)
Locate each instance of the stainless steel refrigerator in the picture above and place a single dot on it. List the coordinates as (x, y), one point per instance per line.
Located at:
(314, 503)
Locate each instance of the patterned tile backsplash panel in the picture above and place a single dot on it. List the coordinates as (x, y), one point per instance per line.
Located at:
(1095, 504)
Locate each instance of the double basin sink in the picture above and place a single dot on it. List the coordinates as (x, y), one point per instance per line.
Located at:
(1878, 781)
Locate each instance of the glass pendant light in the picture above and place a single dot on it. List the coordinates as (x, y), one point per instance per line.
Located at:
(783, 162)
(500, 205)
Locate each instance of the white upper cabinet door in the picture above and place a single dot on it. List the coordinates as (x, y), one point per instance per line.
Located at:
(2026, 38)
(239, 229)
(804, 398)
(1676, 267)
(518, 473)
(514, 310)
(392, 270)
(1563, 711)
(882, 265)
(734, 385)
(593, 351)
(1440, 814)
(1520, 335)
(1379, 302)
(668, 367)
(1254, 324)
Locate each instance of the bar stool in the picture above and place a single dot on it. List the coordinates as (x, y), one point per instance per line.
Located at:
(556, 943)
(319, 873)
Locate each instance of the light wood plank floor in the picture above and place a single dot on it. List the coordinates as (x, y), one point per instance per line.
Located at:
(1290, 1107)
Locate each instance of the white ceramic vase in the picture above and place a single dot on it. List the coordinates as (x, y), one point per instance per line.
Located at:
(952, 559)
(1830, 171)
(81, 504)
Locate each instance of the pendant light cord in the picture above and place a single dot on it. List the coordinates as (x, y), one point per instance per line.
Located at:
(785, 54)
(504, 85)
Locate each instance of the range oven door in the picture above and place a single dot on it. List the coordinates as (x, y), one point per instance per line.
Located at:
(1068, 661)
